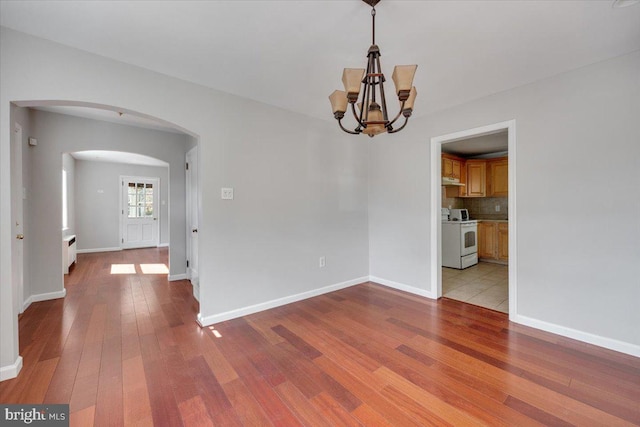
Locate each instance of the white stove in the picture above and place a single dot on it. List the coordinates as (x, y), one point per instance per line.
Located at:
(459, 240)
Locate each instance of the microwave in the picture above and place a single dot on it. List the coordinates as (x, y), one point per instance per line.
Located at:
(459, 215)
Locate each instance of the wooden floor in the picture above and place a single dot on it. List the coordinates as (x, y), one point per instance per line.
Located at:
(125, 349)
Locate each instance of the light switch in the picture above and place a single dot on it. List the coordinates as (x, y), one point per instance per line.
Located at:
(227, 193)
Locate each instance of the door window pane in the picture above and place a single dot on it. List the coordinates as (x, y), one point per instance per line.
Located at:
(140, 200)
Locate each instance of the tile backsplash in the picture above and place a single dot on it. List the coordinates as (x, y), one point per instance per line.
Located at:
(485, 207)
(454, 202)
(479, 207)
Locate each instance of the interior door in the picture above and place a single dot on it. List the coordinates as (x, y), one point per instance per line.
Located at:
(140, 212)
(192, 220)
(17, 197)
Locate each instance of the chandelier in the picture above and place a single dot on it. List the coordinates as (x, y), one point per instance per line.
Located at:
(372, 116)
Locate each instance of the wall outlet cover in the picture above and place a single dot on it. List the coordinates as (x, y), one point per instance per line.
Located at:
(227, 193)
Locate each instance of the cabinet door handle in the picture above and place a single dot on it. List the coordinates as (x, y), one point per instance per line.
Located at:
(20, 236)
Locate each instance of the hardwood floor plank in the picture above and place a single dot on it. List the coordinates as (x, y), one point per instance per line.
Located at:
(40, 380)
(566, 408)
(454, 413)
(135, 396)
(304, 410)
(535, 413)
(301, 345)
(361, 386)
(326, 383)
(164, 408)
(194, 413)
(368, 416)
(61, 385)
(209, 389)
(126, 350)
(333, 411)
(82, 418)
(248, 410)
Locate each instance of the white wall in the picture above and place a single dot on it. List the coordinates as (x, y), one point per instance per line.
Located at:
(577, 177)
(300, 184)
(97, 205)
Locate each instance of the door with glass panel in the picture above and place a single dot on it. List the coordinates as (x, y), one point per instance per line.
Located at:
(139, 212)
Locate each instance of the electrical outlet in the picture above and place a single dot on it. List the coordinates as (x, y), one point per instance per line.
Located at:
(227, 193)
(322, 262)
(497, 208)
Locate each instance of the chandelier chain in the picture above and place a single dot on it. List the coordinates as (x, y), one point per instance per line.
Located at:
(373, 25)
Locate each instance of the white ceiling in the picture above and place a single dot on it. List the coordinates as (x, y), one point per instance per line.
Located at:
(291, 53)
(493, 143)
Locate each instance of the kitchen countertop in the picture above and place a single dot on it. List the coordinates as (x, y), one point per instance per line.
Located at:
(492, 219)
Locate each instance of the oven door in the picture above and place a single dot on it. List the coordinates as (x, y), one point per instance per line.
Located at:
(468, 239)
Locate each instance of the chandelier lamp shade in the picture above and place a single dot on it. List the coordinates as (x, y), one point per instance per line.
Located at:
(372, 116)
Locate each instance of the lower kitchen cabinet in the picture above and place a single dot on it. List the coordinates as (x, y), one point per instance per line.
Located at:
(486, 239)
(503, 241)
(493, 241)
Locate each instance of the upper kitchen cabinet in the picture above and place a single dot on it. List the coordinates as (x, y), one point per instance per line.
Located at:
(454, 168)
(476, 178)
(451, 167)
(498, 177)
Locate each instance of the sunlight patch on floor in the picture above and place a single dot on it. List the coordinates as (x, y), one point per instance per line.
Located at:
(154, 269)
(216, 333)
(123, 269)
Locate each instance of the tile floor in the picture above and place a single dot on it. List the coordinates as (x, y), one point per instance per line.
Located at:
(485, 284)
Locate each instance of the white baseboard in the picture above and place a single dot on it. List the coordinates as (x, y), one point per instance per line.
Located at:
(217, 318)
(611, 344)
(196, 291)
(402, 287)
(90, 251)
(11, 371)
(163, 245)
(174, 277)
(43, 297)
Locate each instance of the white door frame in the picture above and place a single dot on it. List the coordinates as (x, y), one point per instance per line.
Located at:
(436, 201)
(17, 218)
(192, 179)
(156, 207)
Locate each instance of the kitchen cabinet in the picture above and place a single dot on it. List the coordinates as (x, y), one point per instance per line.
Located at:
(503, 241)
(498, 178)
(493, 241)
(487, 231)
(454, 167)
(451, 167)
(476, 178)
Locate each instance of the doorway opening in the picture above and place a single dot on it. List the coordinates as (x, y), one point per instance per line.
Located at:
(43, 186)
(473, 211)
(139, 219)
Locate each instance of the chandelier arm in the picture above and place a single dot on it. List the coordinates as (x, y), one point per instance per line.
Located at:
(356, 132)
(397, 115)
(358, 119)
(406, 119)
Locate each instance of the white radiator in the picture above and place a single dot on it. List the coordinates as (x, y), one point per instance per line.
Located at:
(68, 252)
